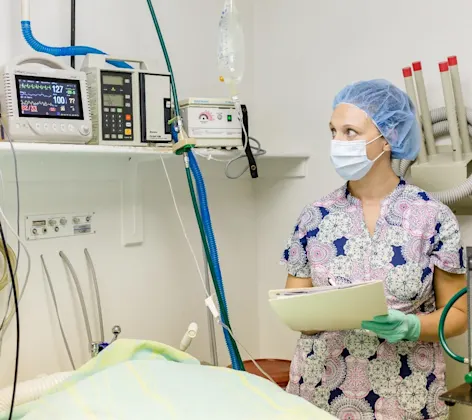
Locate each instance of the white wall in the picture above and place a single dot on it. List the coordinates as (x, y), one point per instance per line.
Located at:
(305, 52)
(4, 32)
(151, 290)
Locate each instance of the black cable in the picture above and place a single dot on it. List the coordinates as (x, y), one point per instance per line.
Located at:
(17, 219)
(15, 298)
(250, 157)
(72, 30)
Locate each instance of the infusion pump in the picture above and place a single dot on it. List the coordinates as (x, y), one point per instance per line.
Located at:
(43, 100)
(130, 107)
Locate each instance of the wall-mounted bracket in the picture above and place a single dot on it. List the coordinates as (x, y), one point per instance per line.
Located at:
(132, 215)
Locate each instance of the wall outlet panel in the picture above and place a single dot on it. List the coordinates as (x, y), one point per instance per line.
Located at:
(51, 226)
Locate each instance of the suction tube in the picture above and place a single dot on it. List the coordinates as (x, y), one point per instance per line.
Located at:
(56, 51)
(425, 115)
(441, 128)
(451, 111)
(459, 100)
(410, 90)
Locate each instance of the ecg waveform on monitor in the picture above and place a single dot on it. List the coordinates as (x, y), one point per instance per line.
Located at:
(36, 103)
(42, 95)
(24, 85)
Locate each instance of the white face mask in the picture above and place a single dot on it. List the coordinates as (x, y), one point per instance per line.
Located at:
(350, 158)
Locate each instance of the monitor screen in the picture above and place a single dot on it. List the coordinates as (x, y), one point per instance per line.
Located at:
(45, 97)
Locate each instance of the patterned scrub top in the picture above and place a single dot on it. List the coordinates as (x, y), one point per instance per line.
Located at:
(355, 375)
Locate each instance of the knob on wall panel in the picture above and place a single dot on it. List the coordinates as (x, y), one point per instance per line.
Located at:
(50, 226)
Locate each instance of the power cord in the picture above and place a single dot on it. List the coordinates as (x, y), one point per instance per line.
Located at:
(5, 276)
(17, 311)
(15, 162)
(192, 251)
(249, 354)
(7, 320)
(258, 151)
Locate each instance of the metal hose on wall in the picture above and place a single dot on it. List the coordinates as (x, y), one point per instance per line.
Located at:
(441, 128)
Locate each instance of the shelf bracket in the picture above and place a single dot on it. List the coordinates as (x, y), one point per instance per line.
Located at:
(132, 215)
(292, 167)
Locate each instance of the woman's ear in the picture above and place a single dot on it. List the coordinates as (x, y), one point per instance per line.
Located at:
(387, 147)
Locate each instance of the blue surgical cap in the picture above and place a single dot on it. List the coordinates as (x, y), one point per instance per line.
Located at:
(392, 112)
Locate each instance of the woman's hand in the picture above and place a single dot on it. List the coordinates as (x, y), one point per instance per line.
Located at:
(300, 283)
(395, 327)
(310, 332)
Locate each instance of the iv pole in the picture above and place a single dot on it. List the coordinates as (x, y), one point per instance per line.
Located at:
(72, 29)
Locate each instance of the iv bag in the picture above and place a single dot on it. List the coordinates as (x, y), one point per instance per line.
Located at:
(230, 45)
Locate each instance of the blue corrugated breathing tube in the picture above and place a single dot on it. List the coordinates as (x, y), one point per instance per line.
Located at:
(207, 225)
(209, 243)
(63, 51)
(201, 212)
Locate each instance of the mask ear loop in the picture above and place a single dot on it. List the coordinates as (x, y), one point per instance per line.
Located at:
(381, 154)
(381, 135)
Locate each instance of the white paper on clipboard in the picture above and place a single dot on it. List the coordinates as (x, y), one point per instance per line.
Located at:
(329, 308)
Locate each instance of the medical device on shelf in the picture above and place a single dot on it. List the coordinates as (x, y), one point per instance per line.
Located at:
(43, 100)
(130, 107)
(212, 122)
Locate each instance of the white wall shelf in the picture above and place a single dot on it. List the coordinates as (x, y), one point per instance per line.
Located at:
(77, 149)
(290, 165)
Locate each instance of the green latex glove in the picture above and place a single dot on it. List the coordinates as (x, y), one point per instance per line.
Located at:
(395, 327)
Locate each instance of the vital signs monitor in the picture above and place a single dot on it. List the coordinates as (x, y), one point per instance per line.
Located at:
(44, 100)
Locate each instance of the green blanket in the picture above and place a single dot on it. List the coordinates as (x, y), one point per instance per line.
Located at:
(147, 380)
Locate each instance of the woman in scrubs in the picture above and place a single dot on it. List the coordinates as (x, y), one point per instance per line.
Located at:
(378, 227)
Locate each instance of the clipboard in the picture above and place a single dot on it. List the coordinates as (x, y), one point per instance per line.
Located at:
(332, 308)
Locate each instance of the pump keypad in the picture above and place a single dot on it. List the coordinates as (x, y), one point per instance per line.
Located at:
(117, 106)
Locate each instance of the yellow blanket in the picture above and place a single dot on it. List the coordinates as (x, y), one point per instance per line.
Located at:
(147, 380)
